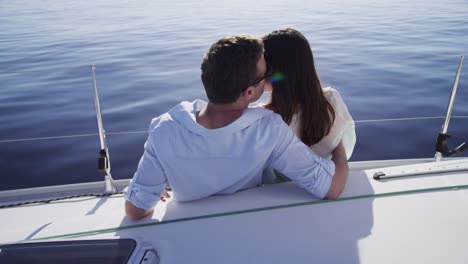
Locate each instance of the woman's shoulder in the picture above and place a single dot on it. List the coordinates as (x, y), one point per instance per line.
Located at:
(330, 91)
(332, 95)
(334, 98)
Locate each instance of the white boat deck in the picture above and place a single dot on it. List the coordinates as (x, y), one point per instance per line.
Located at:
(420, 219)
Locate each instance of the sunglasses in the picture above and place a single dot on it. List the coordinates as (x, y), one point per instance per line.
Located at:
(267, 74)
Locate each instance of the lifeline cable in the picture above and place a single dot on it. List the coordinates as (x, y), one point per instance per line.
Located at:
(146, 132)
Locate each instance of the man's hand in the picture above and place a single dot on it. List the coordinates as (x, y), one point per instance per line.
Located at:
(341, 172)
(135, 213)
(165, 196)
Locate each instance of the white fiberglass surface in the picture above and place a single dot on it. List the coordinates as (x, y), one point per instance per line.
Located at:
(422, 228)
(405, 226)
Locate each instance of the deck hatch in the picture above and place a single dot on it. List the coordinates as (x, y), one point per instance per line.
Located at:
(79, 251)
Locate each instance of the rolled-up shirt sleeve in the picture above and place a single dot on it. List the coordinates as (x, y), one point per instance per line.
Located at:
(149, 181)
(298, 162)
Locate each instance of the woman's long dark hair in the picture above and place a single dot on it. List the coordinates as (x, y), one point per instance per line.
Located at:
(296, 85)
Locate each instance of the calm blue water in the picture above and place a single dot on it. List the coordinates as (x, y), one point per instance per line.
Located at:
(389, 59)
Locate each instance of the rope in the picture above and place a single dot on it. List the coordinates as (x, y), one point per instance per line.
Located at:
(59, 199)
(255, 210)
(70, 136)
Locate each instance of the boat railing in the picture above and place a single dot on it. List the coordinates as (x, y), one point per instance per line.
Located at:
(104, 167)
(441, 144)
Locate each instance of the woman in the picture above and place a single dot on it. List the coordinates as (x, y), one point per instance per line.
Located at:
(319, 117)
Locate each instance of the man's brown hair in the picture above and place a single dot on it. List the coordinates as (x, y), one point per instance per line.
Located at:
(230, 66)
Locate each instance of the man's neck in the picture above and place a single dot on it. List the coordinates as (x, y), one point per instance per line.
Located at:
(219, 115)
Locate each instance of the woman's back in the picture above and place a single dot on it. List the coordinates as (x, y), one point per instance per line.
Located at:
(343, 128)
(318, 116)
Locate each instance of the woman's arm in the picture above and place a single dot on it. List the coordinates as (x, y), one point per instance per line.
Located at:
(343, 128)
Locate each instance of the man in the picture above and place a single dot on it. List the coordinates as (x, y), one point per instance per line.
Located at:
(220, 147)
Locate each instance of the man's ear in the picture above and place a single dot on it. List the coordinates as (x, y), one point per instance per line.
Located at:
(248, 94)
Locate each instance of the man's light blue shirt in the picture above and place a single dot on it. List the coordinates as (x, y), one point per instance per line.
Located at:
(198, 162)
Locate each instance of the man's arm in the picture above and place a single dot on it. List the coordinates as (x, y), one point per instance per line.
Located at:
(147, 185)
(341, 172)
(297, 161)
(135, 213)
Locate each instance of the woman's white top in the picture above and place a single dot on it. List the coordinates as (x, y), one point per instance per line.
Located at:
(343, 127)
